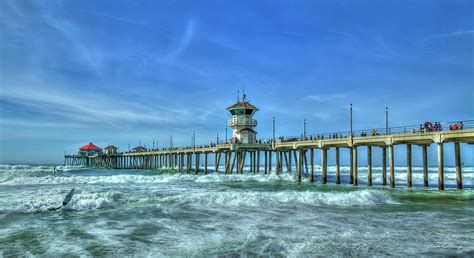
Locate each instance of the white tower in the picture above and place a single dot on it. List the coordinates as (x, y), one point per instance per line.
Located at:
(242, 123)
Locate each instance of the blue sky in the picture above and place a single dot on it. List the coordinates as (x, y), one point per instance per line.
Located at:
(120, 72)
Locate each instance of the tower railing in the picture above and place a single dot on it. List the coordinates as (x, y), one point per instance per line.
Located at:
(242, 121)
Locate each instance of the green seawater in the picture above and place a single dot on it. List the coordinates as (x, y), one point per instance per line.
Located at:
(162, 213)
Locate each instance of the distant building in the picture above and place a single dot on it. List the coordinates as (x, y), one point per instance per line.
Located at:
(139, 149)
(242, 122)
(109, 150)
(89, 150)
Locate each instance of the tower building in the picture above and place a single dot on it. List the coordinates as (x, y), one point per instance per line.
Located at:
(242, 122)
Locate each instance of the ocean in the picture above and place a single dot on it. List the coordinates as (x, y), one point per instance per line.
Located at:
(163, 213)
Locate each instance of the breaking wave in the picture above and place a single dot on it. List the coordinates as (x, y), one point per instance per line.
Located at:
(270, 199)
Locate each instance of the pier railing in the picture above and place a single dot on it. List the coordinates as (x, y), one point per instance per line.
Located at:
(397, 130)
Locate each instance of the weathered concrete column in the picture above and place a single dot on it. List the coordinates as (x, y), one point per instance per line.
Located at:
(277, 166)
(196, 163)
(351, 166)
(409, 178)
(243, 161)
(258, 162)
(179, 163)
(392, 166)
(205, 163)
(227, 162)
(270, 162)
(289, 160)
(215, 162)
(236, 156)
(251, 161)
(425, 165)
(311, 157)
(355, 168)
(384, 166)
(369, 165)
(281, 161)
(440, 167)
(338, 167)
(300, 163)
(265, 170)
(457, 157)
(324, 165)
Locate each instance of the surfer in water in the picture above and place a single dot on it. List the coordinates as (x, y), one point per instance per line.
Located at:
(66, 200)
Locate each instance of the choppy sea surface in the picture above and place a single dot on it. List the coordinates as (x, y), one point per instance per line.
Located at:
(159, 213)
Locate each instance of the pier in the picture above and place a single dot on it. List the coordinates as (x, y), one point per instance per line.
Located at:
(244, 148)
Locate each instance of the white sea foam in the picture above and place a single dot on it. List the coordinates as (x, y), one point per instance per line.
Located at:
(270, 199)
(42, 201)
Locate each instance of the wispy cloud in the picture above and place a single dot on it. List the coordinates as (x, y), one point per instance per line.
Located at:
(325, 97)
(74, 35)
(449, 35)
(118, 18)
(96, 108)
(183, 43)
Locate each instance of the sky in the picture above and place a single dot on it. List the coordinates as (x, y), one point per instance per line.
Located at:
(127, 72)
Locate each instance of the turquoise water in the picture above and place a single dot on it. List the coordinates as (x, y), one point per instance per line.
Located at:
(158, 213)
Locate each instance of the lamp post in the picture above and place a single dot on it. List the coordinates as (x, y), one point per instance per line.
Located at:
(386, 120)
(226, 133)
(217, 138)
(350, 110)
(304, 133)
(273, 129)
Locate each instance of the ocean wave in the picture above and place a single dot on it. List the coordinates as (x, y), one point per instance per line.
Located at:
(42, 201)
(270, 199)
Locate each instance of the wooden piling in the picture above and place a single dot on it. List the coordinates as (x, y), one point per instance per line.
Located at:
(266, 162)
(205, 163)
(270, 162)
(277, 165)
(369, 165)
(233, 161)
(457, 157)
(289, 161)
(258, 162)
(338, 167)
(440, 167)
(384, 166)
(409, 174)
(351, 166)
(355, 168)
(392, 166)
(324, 166)
(300, 158)
(311, 161)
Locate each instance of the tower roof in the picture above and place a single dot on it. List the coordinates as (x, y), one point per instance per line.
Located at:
(244, 104)
(89, 147)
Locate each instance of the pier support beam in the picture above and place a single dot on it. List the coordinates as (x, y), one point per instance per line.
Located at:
(384, 166)
(270, 162)
(355, 168)
(324, 165)
(205, 163)
(258, 162)
(425, 165)
(277, 168)
(289, 160)
(457, 156)
(369, 165)
(265, 170)
(351, 166)
(338, 167)
(440, 167)
(311, 160)
(300, 164)
(409, 178)
(392, 166)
